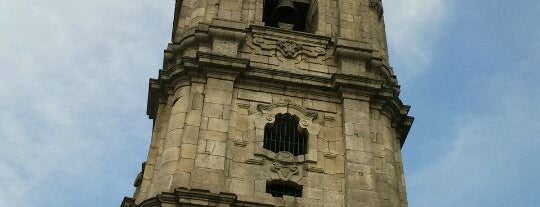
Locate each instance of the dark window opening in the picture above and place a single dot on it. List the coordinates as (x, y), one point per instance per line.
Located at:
(286, 14)
(280, 188)
(285, 135)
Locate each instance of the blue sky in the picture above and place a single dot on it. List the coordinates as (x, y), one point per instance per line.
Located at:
(73, 129)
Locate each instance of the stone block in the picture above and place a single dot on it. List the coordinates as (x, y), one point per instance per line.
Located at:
(201, 147)
(197, 87)
(358, 157)
(174, 138)
(260, 186)
(354, 143)
(219, 125)
(188, 151)
(207, 176)
(190, 135)
(356, 116)
(333, 199)
(181, 179)
(213, 135)
(165, 182)
(239, 121)
(240, 170)
(340, 164)
(194, 118)
(340, 147)
(216, 147)
(225, 47)
(181, 105)
(213, 110)
(242, 186)
(171, 153)
(227, 112)
(210, 161)
(313, 193)
(218, 96)
(241, 154)
(185, 165)
(327, 182)
(167, 167)
(351, 104)
(360, 180)
(219, 84)
(254, 96)
(177, 121)
(328, 133)
(349, 129)
(197, 101)
(357, 197)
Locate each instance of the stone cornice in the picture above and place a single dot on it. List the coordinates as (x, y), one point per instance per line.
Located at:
(222, 64)
(192, 197)
(353, 49)
(208, 63)
(289, 34)
(203, 34)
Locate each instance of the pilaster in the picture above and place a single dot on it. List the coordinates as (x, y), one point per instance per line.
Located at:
(226, 77)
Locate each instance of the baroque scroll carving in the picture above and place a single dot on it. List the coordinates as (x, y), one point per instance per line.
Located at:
(288, 48)
(285, 168)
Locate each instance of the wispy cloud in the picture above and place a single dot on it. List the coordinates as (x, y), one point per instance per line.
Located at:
(73, 89)
(492, 154)
(413, 27)
(489, 152)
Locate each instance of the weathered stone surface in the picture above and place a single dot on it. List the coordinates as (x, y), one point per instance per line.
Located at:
(226, 76)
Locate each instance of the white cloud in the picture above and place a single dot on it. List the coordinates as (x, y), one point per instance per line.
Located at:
(74, 76)
(413, 27)
(492, 159)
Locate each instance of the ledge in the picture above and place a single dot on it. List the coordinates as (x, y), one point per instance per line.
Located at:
(289, 34)
(339, 84)
(192, 197)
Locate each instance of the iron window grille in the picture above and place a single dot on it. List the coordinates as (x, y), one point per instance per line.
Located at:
(285, 135)
(280, 188)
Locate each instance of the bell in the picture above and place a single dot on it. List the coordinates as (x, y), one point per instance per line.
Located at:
(285, 12)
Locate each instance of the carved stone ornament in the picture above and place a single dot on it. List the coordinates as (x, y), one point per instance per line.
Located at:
(285, 171)
(270, 118)
(288, 48)
(304, 123)
(285, 157)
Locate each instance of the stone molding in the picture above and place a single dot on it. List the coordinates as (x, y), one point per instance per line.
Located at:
(266, 115)
(225, 77)
(343, 85)
(192, 197)
(203, 63)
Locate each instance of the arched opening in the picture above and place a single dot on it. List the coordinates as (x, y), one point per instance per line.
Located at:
(285, 135)
(287, 14)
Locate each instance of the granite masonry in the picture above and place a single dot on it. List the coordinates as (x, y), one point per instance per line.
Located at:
(238, 70)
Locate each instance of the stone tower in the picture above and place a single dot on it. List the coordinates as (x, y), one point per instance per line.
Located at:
(275, 103)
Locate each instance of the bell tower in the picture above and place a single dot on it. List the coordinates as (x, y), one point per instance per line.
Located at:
(275, 103)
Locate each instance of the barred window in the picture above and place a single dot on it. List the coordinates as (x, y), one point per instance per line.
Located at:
(285, 135)
(280, 188)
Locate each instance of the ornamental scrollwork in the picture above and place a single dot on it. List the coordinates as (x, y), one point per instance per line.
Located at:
(285, 172)
(288, 48)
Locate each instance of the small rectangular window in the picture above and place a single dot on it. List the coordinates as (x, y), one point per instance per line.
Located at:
(280, 188)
